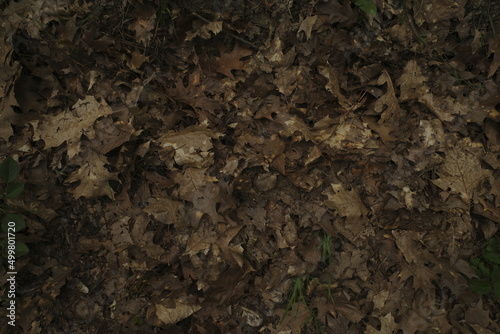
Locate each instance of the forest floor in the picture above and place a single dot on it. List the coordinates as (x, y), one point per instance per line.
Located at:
(253, 166)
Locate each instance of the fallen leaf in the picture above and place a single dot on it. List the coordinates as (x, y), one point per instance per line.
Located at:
(347, 203)
(93, 176)
(307, 25)
(494, 48)
(387, 325)
(174, 315)
(206, 31)
(412, 82)
(166, 210)
(231, 61)
(69, 125)
(191, 145)
(461, 171)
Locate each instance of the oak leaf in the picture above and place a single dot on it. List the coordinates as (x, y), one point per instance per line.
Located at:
(93, 176)
(347, 203)
(461, 172)
(69, 125)
(231, 61)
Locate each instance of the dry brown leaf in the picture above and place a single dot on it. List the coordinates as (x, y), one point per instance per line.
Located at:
(191, 179)
(137, 59)
(494, 48)
(287, 79)
(194, 93)
(68, 126)
(294, 126)
(206, 31)
(120, 233)
(334, 11)
(307, 25)
(422, 277)
(334, 86)
(347, 203)
(166, 210)
(388, 104)
(461, 172)
(144, 24)
(387, 325)
(295, 319)
(109, 135)
(191, 145)
(93, 176)
(350, 135)
(201, 241)
(412, 82)
(413, 322)
(274, 54)
(170, 316)
(477, 315)
(205, 201)
(231, 61)
(7, 100)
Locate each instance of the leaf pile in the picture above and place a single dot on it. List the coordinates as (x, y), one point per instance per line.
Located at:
(186, 164)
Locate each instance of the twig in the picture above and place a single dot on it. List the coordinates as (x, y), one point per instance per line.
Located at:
(229, 33)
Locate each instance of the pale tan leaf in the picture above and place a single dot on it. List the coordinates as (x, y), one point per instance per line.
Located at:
(93, 177)
(69, 125)
(192, 145)
(412, 82)
(171, 316)
(387, 325)
(206, 31)
(347, 203)
(307, 25)
(166, 210)
(461, 172)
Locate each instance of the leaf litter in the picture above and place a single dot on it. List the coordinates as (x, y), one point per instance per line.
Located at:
(188, 164)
